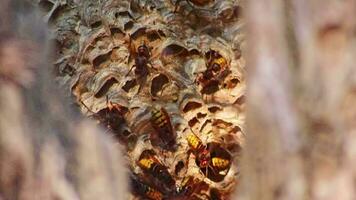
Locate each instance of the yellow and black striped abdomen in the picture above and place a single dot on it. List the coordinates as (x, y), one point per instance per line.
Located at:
(159, 119)
(220, 61)
(141, 188)
(146, 163)
(194, 142)
(164, 134)
(220, 163)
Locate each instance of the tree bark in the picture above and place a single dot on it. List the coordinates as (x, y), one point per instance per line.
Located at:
(46, 150)
(301, 82)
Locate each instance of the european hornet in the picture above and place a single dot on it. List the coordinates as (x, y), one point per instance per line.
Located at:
(216, 61)
(149, 163)
(142, 189)
(142, 57)
(161, 122)
(112, 118)
(213, 160)
(217, 70)
(191, 188)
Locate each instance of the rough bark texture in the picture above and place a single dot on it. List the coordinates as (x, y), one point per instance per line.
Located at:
(301, 82)
(47, 150)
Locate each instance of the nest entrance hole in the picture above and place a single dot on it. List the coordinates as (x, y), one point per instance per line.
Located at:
(158, 84)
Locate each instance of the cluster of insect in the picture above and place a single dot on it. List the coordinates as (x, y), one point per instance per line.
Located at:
(156, 181)
(166, 81)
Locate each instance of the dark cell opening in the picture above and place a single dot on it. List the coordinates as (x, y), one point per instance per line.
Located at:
(179, 167)
(193, 121)
(214, 109)
(128, 25)
(116, 31)
(152, 36)
(129, 85)
(232, 83)
(211, 87)
(96, 24)
(105, 88)
(101, 59)
(158, 83)
(174, 50)
(192, 105)
(201, 115)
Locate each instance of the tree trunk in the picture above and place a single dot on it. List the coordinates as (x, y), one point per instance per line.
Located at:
(47, 150)
(301, 87)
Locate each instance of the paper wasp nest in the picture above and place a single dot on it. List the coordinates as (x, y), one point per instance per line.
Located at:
(166, 79)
